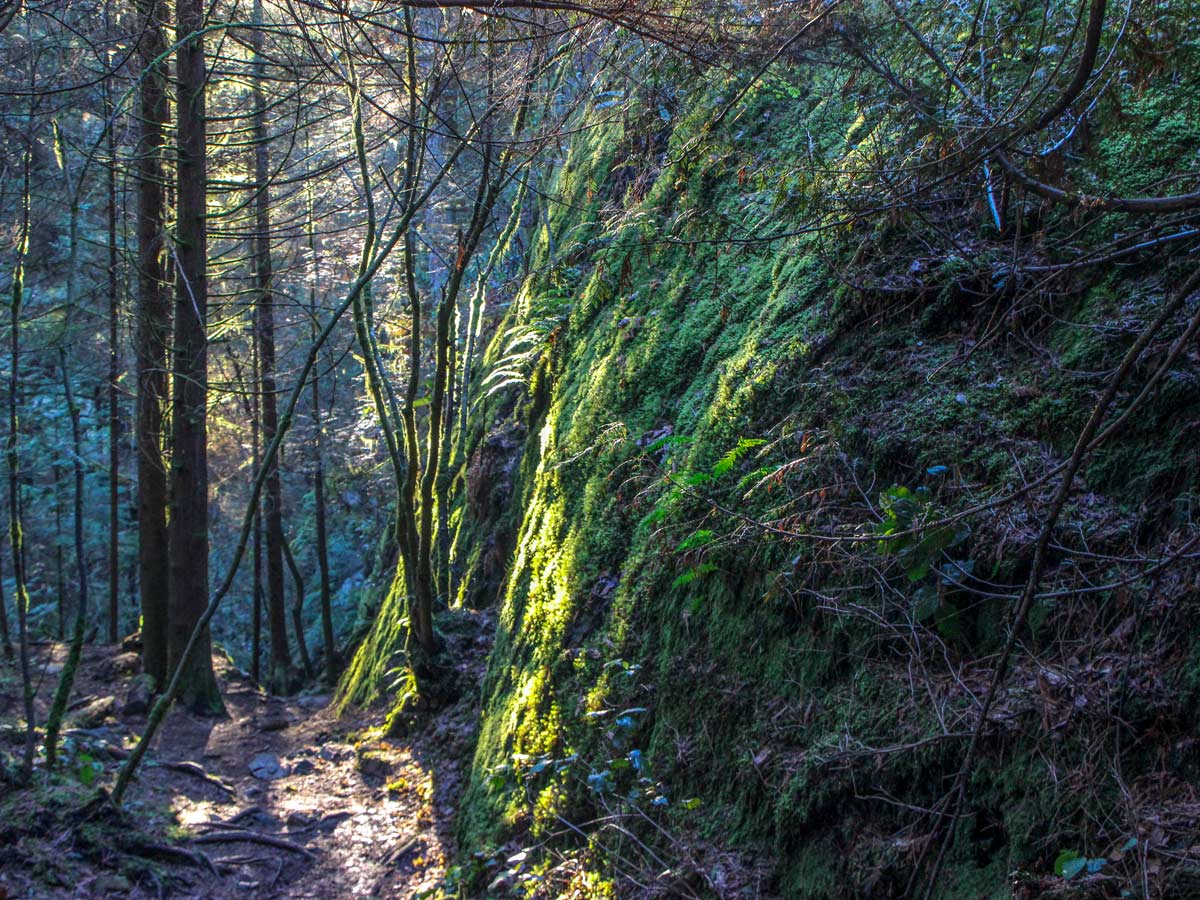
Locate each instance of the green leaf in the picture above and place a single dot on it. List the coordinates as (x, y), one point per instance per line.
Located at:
(948, 624)
(87, 770)
(919, 571)
(927, 604)
(956, 571)
(1063, 859)
(1073, 867)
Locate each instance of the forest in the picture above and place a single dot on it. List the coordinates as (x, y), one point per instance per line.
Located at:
(622, 449)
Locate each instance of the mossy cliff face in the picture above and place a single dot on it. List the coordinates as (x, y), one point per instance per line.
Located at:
(813, 694)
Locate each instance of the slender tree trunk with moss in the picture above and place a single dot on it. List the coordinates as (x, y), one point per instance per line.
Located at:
(399, 448)
(256, 569)
(248, 390)
(5, 632)
(440, 416)
(74, 191)
(322, 542)
(298, 610)
(114, 372)
(66, 680)
(420, 489)
(60, 564)
(5, 628)
(15, 534)
(445, 580)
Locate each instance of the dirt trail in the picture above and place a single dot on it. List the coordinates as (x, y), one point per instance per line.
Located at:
(282, 796)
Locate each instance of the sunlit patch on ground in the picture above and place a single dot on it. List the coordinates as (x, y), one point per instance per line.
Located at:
(282, 798)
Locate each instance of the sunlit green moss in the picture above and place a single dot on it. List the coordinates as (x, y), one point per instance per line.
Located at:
(714, 343)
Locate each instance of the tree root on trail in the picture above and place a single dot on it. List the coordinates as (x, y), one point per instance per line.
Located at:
(195, 769)
(244, 814)
(233, 863)
(114, 831)
(154, 850)
(252, 837)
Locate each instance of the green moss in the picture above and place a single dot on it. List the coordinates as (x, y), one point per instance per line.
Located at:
(763, 700)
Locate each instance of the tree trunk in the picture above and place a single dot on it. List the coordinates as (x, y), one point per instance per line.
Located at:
(5, 632)
(15, 537)
(476, 309)
(445, 579)
(247, 388)
(280, 675)
(298, 610)
(60, 568)
(332, 662)
(188, 528)
(331, 654)
(114, 423)
(152, 331)
(257, 594)
(62, 693)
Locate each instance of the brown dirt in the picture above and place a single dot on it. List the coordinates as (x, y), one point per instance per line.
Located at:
(369, 814)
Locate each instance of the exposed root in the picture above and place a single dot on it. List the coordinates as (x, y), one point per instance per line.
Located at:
(153, 850)
(253, 837)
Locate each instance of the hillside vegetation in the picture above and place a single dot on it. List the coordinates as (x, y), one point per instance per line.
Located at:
(696, 435)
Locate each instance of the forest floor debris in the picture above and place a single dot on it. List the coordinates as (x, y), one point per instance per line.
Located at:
(271, 801)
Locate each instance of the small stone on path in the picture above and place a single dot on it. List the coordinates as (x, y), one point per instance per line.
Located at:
(374, 765)
(266, 767)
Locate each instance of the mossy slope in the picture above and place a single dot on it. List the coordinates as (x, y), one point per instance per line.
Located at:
(774, 669)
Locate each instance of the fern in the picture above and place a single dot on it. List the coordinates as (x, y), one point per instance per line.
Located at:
(662, 508)
(521, 355)
(669, 440)
(697, 539)
(726, 463)
(692, 574)
(758, 476)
